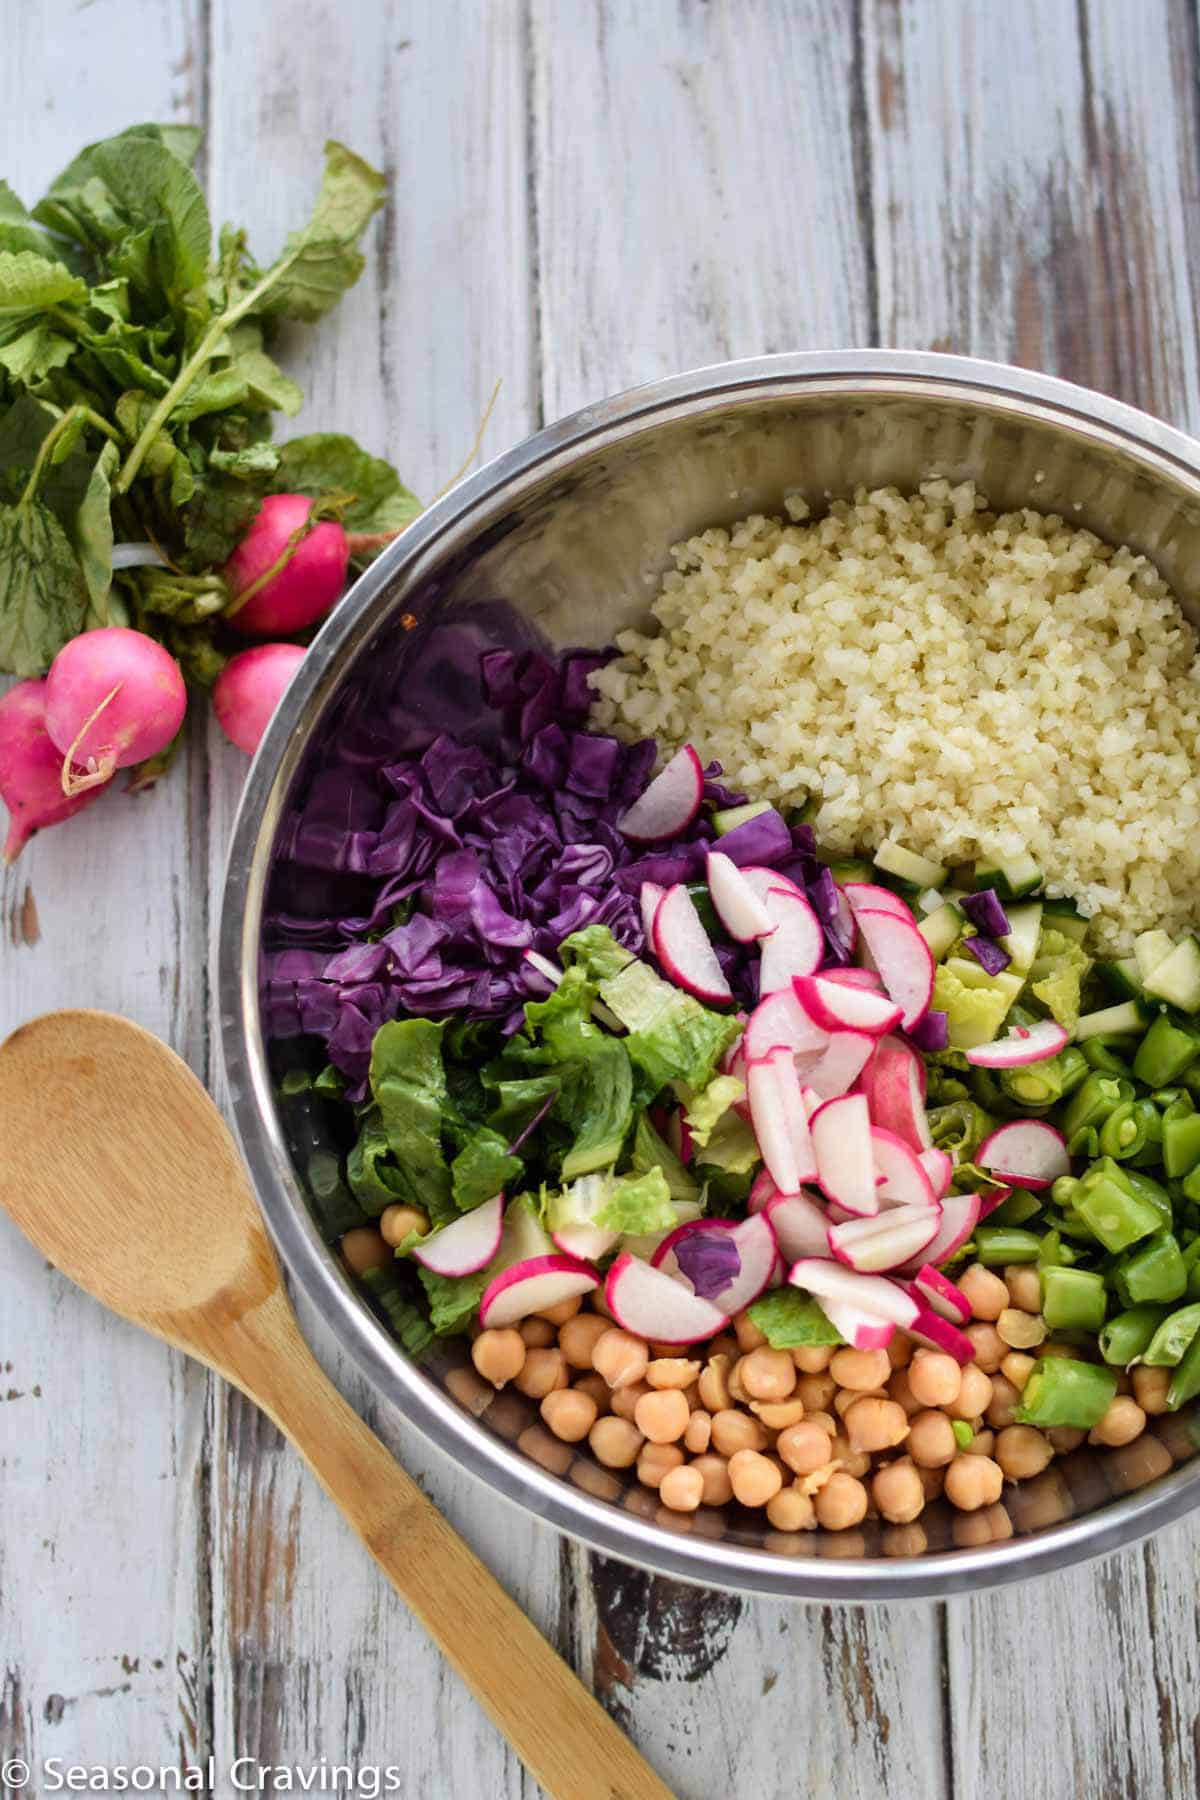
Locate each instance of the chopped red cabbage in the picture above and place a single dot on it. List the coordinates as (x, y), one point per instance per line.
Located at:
(986, 913)
(988, 953)
(710, 1260)
(763, 840)
(932, 1032)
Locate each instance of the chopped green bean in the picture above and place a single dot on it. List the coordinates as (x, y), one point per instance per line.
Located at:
(996, 1245)
(1091, 1104)
(1073, 1299)
(1099, 1054)
(1181, 1138)
(1019, 1206)
(1185, 1384)
(1156, 1273)
(1112, 1209)
(1165, 1052)
(1124, 1338)
(1061, 1391)
(1167, 1346)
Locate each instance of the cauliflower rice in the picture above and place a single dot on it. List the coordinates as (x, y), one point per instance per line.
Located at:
(969, 683)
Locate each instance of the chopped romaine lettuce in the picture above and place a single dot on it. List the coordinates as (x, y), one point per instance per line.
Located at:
(789, 1319)
(453, 1299)
(705, 1110)
(637, 1204)
(976, 1011)
(651, 1152)
(408, 1083)
(1058, 974)
(672, 1037)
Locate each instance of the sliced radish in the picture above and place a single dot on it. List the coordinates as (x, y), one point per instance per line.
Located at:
(669, 804)
(678, 1137)
(797, 944)
(841, 1140)
(800, 1225)
(780, 1022)
(867, 896)
(903, 959)
(763, 880)
(467, 1245)
(571, 1218)
(843, 1060)
(586, 1243)
(735, 1065)
(780, 1121)
(739, 908)
(874, 1294)
(1023, 1044)
(651, 1305)
(903, 1178)
(894, 1083)
(939, 1167)
(960, 1215)
(812, 1100)
(1027, 1153)
(682, 946)
(858, 978)
(762, 1192)
(649, 895)
(873, 1246)
(993, 1198)
(757, 1250)
(861, 1330)
(531, 1286)
(836, 1006)
(544, 966)
(937, 1333)
(941, 1295)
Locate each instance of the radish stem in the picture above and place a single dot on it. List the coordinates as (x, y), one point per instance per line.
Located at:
(73, 784)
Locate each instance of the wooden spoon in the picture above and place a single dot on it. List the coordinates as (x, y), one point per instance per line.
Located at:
(118, 1167)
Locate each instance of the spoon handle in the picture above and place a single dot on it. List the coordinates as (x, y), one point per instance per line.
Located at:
(561, 1733)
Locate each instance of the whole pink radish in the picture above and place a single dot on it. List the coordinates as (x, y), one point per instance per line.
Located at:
(31, 768)
(309, 582)
(250, 687)
(113, 697)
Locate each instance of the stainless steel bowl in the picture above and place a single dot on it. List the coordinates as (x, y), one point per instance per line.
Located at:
(572, 528)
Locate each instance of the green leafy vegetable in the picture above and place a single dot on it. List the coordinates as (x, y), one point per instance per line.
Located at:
(650, 1152)
(705, 1111)
(790, 1320)
(481, 1169)
(408, 1082)
(637, 1204)
(453, 1299)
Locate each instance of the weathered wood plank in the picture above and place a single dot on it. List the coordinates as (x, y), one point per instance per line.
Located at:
(314, 1655)
(697, 198)
(103, 1609)
(1034, 193)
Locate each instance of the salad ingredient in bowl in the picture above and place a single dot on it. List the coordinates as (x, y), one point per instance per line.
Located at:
(820, 1185)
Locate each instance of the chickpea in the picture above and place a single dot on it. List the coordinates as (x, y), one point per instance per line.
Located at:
(804, 1447)
(982, 1444)
(539, 1334)
(860, 1369)
(1065, 1438)
(825, 1420)
(733, 1431)
(733, 1379)
(542, 1372)
(754, 1479)
(855, 1462)
(615, 1442)
(657, 1460)
(714, 1384)
(579, 1337)
(682, 1489)
(1017, 1368)
(932, 1480)
(395, 1223)
(724, 1344)
(714, 1475)
(776, 1415)
(900, 1350)
(791, 1510)
(1022, 1452)
(1001, 1409)
(897, 1492)
(1133, 1465)
(1149, 1387)
(934, 1378)
(974, 1394)
(900, 1390)
(499, 1355)
(841, 1503)
(813, 1359)
(815, 1392)
(973, 1481)
(1024, 1331)
(990, 1348)
(620, 1358)
(672, 1372)
(597, 1389)
(874, 1424)
(364, 1249)
(624, 1401)
(1043, 1501)
(661, 1415)
(986, 1294)
(698, 1435)
(564, 1312)
(1024, 1286)
(659, 1349)
(569, 1413)
(749, 1337)
(845, 1398)
(691, 1394)
(1122, 1421)
(931, 1440)
(768, 1374)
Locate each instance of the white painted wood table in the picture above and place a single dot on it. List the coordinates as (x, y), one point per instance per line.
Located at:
(585, 194)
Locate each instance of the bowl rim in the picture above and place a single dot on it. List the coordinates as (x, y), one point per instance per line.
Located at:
(516, 1478)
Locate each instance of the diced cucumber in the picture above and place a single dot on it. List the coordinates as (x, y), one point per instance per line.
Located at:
(941, 930)
(1151, 948)
(1122, 977)
(906, 864)
(1112, 1020)
(1060, 915)
(1025, 924)
(929, 901)
(1177, 977)
(851, 870)
(1013, 877)
(973, 974)
(731, 817)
